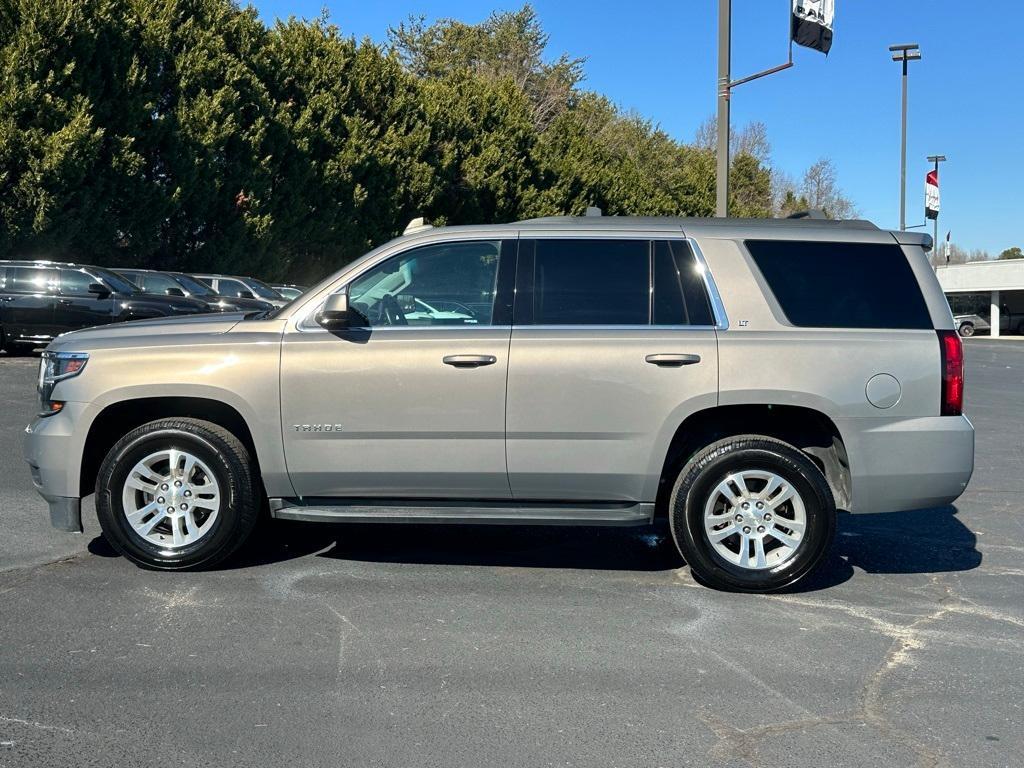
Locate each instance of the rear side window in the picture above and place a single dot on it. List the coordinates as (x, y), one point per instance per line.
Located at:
(591, 282)
(841, 285)
(30, 280)
(680, 297)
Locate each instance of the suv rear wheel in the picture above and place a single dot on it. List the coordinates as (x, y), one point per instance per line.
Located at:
(752, 514)
(177, 493)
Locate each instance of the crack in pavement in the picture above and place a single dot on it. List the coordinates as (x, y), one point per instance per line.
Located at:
(742, 743)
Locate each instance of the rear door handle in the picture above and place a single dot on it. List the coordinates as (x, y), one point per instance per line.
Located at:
(672, 360)
(65, 301)
(469, 361)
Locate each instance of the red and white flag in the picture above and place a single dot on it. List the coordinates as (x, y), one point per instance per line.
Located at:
(931, 195)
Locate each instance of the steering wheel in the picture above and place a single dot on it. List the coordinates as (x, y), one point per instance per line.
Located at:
(391, 312)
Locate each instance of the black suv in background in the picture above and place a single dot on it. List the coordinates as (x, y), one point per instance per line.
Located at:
(40, 300)
(180, 284)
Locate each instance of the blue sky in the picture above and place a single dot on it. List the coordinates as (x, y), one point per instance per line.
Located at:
(659, 58)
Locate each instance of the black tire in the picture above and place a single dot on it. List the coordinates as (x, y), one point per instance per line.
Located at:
(966, 330)
(695, 485)
(228, 460)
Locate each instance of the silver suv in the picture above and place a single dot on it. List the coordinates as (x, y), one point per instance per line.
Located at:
(743, 379)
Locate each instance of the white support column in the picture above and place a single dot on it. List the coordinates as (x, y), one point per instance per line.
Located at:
(994, 319)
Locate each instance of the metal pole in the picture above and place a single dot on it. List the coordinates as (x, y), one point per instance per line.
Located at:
(724, 60)
(903, 154)
(935, 237)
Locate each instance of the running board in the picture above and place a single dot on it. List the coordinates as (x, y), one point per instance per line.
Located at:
(469, 511)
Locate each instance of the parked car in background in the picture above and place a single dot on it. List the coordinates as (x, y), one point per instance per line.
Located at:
(741, 379)
(970, 323)
(40, 300)
(290, 291)
(180, 284)
(234, 286)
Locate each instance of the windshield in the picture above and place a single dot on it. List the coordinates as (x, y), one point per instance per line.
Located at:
(262, 290)
(193, 286)
(117, 282)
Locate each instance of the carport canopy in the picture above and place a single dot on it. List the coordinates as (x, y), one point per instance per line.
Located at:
(995, 278)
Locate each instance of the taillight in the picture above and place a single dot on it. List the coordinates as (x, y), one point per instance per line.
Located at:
(951, 350)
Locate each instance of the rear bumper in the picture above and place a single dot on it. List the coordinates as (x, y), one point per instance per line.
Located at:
(909, 464)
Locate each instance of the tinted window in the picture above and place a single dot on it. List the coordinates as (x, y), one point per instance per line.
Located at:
(75, 283)
(30, 280)
(234, 288)
(680, 297)
(153, 283)
(262, 290)
(194, 286)
(443, 284)
(114, 281)
(841, 285)
(591, 282)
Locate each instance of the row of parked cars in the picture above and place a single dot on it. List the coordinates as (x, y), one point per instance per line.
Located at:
(40, 300)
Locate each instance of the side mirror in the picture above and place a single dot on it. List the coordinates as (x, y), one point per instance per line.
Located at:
(174, 292)
(99, 289)
(336, 312)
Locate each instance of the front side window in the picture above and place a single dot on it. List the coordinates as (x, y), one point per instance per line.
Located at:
(451, 284)
(75, 283)
(262, 290)
(234, 289)
(115, 282)
(157, 283)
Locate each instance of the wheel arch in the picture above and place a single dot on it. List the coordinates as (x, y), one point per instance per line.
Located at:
(811, 431)
(119, 418)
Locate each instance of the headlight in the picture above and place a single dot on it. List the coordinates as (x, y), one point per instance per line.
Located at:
(54, 367)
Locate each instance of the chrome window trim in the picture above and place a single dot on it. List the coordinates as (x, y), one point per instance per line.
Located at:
(306, 324)
(717, 306)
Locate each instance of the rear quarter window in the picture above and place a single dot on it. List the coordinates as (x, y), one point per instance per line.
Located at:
(841, 285)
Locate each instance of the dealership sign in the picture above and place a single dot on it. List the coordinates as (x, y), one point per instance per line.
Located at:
(812, 23)
(931, 195)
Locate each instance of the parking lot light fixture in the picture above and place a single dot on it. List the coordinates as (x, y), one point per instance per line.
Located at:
(905, 53)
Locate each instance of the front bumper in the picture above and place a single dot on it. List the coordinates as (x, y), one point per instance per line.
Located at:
(908, 464)
(51, 449)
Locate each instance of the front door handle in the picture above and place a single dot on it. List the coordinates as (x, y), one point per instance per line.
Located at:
(64, 301)
(469, 361)
(671, 360)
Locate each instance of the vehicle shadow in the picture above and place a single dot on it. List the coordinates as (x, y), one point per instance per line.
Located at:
(922, 541)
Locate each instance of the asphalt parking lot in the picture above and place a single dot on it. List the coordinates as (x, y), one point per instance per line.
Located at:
(448, 646)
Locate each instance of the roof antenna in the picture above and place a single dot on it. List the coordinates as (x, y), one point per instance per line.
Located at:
(593, 211)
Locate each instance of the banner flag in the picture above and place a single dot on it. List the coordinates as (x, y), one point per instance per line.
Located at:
(931, 195)
(812, 23)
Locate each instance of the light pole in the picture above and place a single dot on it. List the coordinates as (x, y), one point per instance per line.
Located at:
(905, 52)
(725, 86)
(935, 222)
(724, 76)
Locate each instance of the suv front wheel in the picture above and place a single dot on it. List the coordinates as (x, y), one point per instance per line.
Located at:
(752, 514)
(177, 493)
